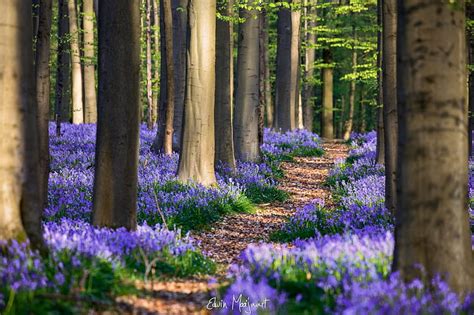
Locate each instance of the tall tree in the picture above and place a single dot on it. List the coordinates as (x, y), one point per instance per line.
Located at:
(62, 91)
(328, 77)
(389, 84)
(352, 88)
(170, 92)
(156, 49)
(265, 55)
(90, 95)
(42, 74)
(115, 184)
(432, 226)
(310, 58)
(287, 67)
(196, 161)
(380, 154)
(20, 200)
(149, 64)
(77, 99)
(247, 103)
(224, 85)
(470, 43)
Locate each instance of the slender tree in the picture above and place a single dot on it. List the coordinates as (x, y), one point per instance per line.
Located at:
(224, 86)
(115, 184)
(62, 91)
(196, 161)
(380, 154)
(20, 200)
(287, 67)
(328, 77)
(42, 73)
(156, 49)
(470, 43)
(90, 95)
(352, 89)
(77, 99)
(149, 65)
(389, 83)
(310, 58)
(170, 93)
(247, 103)
(432, 226)
(265, 55)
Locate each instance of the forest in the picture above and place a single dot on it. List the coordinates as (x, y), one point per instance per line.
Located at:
(236, 157)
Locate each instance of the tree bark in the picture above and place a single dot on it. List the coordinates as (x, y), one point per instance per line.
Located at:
(352, 90)
(77, 99)
(269, 110)
(380, 153)
(470, 43)
(170, 93)
(196, 161)
(62, 101)
(327, 114)
(263, 46)
(310, 58)
(42, 74)
(149, 66)
(115, 185)
(287, 68)
(89, 65)
(432, 224)
(246, 116)
(20, 200)
(389, 83)
(157, 47)
(224, 86)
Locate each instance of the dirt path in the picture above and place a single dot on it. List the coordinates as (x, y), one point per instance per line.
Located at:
(224, 242)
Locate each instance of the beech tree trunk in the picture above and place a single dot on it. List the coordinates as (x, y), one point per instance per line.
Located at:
(352, 90)
(115, 184)
(327, 114)
(62, 100)
(224, 86)
(77, 100)
(246, 116)
(432, 215)
(263, 46)
(310, 58)
(156, 72)
(287, 68)
(89, 64)
(20, 200)
(170, 93)
(42, 74)
(269, 110)
(470, 43)
(196, 161)
(380, 154)
(389, 83)
(149, 66)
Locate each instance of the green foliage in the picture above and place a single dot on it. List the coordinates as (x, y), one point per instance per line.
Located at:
(264, 194)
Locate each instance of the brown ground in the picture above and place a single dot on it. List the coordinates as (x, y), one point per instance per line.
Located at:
(224, 242)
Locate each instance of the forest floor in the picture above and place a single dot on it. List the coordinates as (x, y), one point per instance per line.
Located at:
(304, 179)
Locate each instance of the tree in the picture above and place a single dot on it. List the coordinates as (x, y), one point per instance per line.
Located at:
(470, 43)
(247, 103)
(149, 65)
(224, 85)
(196, 162)
(380, 153)
(287, 68)
(352, 90)
(20, 200)
(432, 226)
(310, 58)
(115, 184)
(89, 64)
(77, 100)
(328, 77)
(265, 55)
(62, 91)
(42, 74)
(170, 93)
(389, 84)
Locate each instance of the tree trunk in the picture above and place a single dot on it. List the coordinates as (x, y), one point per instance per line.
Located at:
(149, 66)
(156, 48)
(341, 116)
(327, 114)
(224, 86)
(115, 185)
(310, 58)
(352, 90)
(62, 95)
(263, 45)
(389, 83)
(432, 218)
(246, 116)
(380, 154)
(89, 65)
(287, 68)
(196, 161)
(20, 200)
(77, 100)
(470, 43)
(363, 110)
(170, 93)
(42, 74)
(266, 61)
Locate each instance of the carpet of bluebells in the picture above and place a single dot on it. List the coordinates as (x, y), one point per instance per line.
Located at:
(339, 260)
(91, 263)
